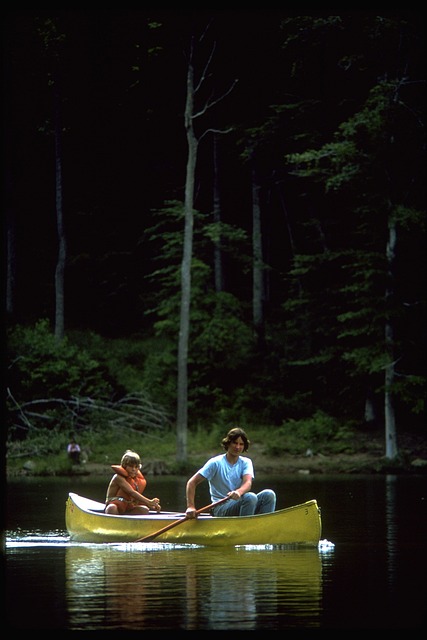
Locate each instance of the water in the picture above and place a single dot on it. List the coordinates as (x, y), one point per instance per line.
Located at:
(369, 573)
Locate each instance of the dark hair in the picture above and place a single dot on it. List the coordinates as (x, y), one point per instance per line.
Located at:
(232, 435)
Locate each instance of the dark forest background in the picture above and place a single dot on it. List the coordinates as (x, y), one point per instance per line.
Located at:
(308, 263)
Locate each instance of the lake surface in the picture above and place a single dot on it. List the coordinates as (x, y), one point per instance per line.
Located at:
(368, 573)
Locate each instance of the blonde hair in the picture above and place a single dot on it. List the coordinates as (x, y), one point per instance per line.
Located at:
(130, 459)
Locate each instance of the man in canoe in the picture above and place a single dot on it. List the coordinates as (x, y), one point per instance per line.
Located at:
(230, 475)
(124, 493)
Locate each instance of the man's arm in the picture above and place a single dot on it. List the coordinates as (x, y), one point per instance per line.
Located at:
(190, 493)
(244, 487)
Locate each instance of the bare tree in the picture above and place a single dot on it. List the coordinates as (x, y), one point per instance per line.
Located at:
(10, 249)
(62, 246)
(52, 41)
(391, 449)
(190, 115)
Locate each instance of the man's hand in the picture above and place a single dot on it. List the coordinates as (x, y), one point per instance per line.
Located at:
(191, 513)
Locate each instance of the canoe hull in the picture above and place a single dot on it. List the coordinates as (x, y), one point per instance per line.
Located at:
(296, 525)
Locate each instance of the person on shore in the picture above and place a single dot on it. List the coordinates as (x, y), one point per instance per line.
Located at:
(231, 475)
(74, 451)
(125, 491)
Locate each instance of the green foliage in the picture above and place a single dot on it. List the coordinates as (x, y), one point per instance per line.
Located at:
(58, 387)
(47, 450)
(409, 218)
(411, 391)
(228, 237)
(221, 349)
(222, 338)
(160, 372)
(124, 358)
(357, 147)
(40, 366)
(361, 171)
(109, 446)
(297, 436)
(221, 352)
(165, 239)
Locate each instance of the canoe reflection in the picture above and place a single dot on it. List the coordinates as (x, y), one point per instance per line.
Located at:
(165, 587)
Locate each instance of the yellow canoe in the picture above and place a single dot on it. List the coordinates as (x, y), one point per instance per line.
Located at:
(297, 525)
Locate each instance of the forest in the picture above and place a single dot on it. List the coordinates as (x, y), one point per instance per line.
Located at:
(213, 217)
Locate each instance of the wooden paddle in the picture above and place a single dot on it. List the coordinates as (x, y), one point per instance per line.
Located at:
(177, 522)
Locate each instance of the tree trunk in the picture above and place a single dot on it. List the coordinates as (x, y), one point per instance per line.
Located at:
(10, 250)
(257, 258)
(62, 247)
(290, 234)
(370, 413)
(391, 449)
(218, 266)
(184, 327)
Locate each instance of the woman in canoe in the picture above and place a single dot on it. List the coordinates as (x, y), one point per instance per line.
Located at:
(125, 491)
(230, 475)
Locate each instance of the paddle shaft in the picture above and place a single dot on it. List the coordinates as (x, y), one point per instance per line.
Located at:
(177, 522)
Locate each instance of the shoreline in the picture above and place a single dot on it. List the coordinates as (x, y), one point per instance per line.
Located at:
(317, 464)
(368, 457)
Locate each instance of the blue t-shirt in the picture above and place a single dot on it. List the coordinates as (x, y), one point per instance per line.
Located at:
(223, 476)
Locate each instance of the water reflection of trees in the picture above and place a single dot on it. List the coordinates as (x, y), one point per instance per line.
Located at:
(164, 587)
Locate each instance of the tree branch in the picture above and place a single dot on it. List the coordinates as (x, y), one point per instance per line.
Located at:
(209, 104)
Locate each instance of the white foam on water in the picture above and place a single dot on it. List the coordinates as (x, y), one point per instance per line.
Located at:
(325, 545)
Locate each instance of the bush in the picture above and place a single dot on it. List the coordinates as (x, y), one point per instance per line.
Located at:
(296, 436)
(40, 366)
